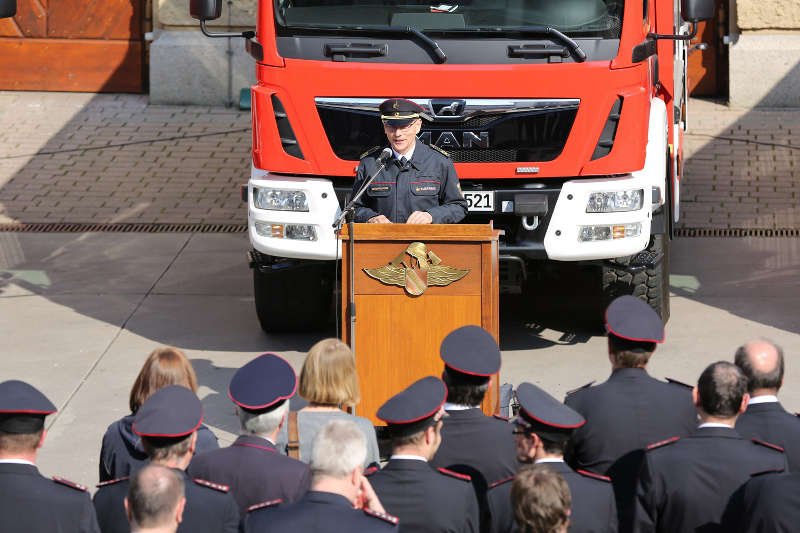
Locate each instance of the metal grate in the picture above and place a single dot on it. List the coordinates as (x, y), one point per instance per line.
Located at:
(737, 232)
(51, 227)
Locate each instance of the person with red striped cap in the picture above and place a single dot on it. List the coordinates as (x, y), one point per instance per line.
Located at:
(253, 468)
(630, 410)
(167, 422)
(30, 502)
(426, 500)
(542, 428)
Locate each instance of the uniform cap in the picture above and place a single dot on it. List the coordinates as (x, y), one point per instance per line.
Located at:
(415, 408)
(22, 407)
(471, 350)
(399, 112)
(630, 318)
(263, 384)
(544, 415)
(173, 411)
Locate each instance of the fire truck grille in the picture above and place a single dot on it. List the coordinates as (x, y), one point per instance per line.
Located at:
(530, 136)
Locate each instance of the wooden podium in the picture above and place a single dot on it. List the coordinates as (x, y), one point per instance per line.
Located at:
(398, 333)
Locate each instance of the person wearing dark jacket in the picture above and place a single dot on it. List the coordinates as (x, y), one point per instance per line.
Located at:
(122, 452)
(761, 361)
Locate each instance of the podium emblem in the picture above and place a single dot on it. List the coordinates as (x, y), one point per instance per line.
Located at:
(416, 268)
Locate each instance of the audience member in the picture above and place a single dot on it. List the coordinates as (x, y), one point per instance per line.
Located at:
(761, 361)
(685, 483)
(423, 499)
(167, 422)
(541, 500)
(155, 500)
(122, 452)
(255, 473)
(329, 382)
(341, 500)
(29, 502)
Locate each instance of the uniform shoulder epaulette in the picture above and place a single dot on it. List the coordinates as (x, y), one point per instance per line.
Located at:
(383, 516)
(501, 417)
(501, 482)
(768, 444)
(370, 470)
(270, 503)
(71, 484)
(661, 443)
(112, 481)
(592, 475)
(768, 471)
(434, 147)
(212, 485)
(681, 383)
(580, 388)
(450, 473)
(370, 151)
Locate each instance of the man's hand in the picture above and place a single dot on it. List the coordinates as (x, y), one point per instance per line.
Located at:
(380, 219)
(367, 499)
(420, 217)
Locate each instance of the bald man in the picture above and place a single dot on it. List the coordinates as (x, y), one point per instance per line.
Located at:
(155, 500)
(761, 361)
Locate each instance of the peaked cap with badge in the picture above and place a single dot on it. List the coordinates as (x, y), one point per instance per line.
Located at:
(399, 112)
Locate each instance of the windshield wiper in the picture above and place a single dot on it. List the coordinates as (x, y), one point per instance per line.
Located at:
(547, 31)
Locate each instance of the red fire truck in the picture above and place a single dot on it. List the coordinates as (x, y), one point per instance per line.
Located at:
(564, 119)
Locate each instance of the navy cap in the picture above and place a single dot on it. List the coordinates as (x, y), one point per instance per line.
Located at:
(471, 350)
(544, 415)
(263, 384)
(630, 318)
(399, 112)
(22, 407)
(415, 408)
(173, 411)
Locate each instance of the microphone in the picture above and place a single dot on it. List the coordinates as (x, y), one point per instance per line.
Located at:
(385, 156)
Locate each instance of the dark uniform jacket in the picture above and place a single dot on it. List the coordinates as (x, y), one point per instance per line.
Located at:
(254, 471)
(122, 453)
(593, 507)
(428, 182)
(770, 422)
(209, 507)
(317, 512)
(768, 503)
(685, 484)
(31, 503)
(424, 499)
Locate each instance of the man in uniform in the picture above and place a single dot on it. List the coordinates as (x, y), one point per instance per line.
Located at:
(167, 422)
(761, 361)
(424, 499)
(543, 427)
(155, 500)
(768, 503)
(30, 502)
(419, 184)
(685, 483)
(341, 500)
(251, 466)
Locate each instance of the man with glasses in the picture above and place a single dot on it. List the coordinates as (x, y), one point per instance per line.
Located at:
(418, 185)
(424, 499)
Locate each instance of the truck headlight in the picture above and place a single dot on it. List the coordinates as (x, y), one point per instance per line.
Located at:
(279, 199)
(297, 232)
(607, 232)
(615, 201)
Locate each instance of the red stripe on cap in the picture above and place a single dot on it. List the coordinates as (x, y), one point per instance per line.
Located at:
(472, 373)
(550, 423)
(29, 412)
(133, 427)
(417, 419)
(605, 317)
(279, 399)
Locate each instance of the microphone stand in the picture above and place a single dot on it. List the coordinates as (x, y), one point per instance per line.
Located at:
(350, 210)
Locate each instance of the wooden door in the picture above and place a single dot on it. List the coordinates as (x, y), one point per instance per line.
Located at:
(707, 69)
(73, 45)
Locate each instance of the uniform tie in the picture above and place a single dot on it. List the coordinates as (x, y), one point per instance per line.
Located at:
(403, 161)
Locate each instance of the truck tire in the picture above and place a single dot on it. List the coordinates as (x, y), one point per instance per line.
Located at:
(651, 285)
(296, 298)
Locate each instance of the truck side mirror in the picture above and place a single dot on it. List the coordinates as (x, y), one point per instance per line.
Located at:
(8, 8)
(697, 10)
(205, 9)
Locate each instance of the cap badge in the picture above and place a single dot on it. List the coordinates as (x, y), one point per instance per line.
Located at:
(429, 270)
(395, 105)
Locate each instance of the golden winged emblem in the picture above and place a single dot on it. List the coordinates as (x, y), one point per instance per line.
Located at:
(429, 270)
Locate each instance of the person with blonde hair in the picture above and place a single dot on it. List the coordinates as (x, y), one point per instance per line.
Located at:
(541, 500)
(329, 382)
(122, 453)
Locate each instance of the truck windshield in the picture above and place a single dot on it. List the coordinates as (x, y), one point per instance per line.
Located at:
(469, 18)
